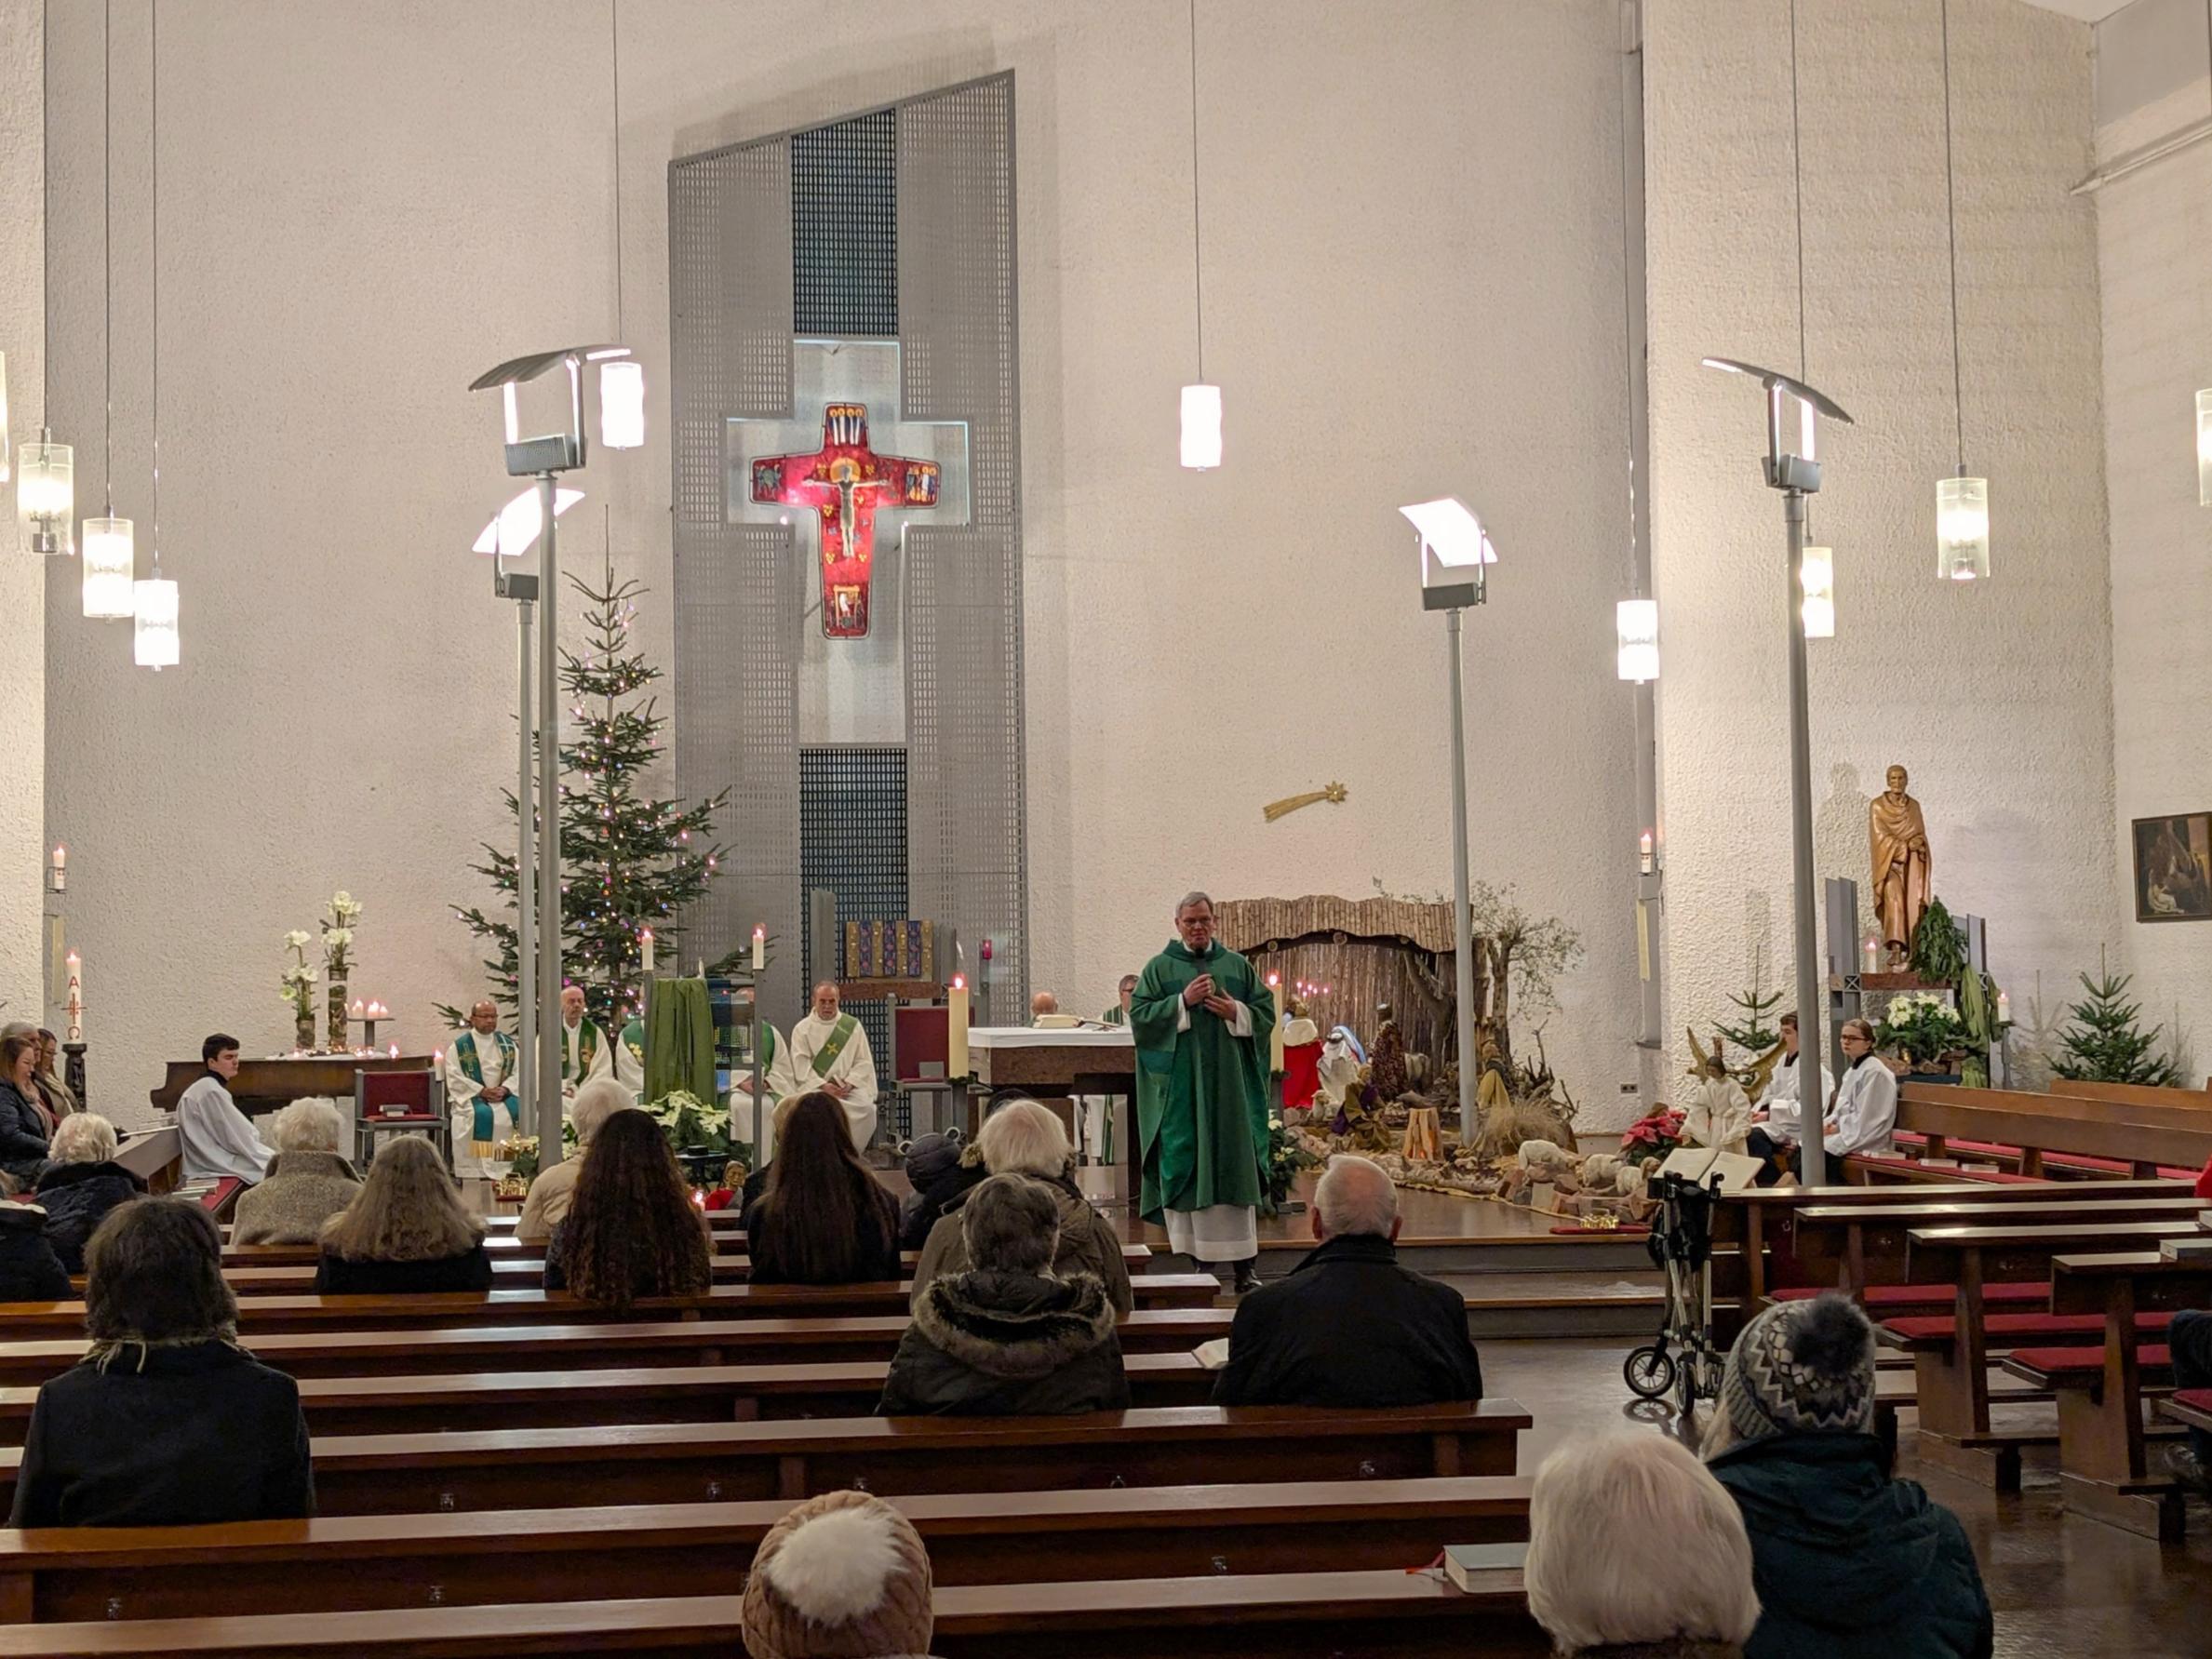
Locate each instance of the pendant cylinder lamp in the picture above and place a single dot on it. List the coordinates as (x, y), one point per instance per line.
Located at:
(2204, 447)
(1201, 448)
(1816, 581)
(1636, 641)
(1202, 427)
(155, 633)
(1963, 529)
(45, 497)
(622, 404)
(111, 561)
(6, 454)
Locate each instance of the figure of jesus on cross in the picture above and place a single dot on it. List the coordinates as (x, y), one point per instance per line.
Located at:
(845, 482)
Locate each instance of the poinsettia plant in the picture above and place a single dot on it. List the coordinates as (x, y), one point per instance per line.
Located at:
(1654, 1135)
(1921, 1024)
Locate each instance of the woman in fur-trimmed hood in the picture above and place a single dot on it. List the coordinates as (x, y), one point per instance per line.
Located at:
(1006, 1338)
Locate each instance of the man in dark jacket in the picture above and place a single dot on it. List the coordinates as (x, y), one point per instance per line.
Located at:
(1006, 1338)
(1349, 1327)
(1849, 1563)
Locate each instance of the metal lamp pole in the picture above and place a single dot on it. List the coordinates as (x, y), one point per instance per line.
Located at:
(1797, 476)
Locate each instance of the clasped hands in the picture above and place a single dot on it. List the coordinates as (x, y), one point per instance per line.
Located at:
(837, 1091)
(1202, 993)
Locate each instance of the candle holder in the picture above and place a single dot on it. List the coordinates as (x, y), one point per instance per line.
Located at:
(371, 1012)
(72, 1073)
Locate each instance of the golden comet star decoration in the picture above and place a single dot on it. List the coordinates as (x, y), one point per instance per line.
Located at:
(1336, 794)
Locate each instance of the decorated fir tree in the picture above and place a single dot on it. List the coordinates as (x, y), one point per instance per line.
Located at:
(2103, 1046)
(629, 861)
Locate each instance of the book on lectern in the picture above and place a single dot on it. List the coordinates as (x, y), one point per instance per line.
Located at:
(2188, 1250)
(1462, 1561)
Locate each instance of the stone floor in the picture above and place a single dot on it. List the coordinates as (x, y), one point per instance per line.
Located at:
(2062, 1588)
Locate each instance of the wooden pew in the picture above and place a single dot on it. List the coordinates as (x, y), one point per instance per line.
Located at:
(260, 1316)
(505, 1248)
(1297, 1615)
(2143, 1094)
(2146, 1141)
(529, 1273)
(403, 1352)
(588, 1399)
(351, 1562)
(1865, 1248)
(677, 1463)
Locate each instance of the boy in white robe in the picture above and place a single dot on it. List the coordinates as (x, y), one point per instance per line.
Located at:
(214, 1138)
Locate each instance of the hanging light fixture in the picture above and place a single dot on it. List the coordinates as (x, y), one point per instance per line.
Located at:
(1962, 502)
(46, 487)
(1636, 636)
(1201, 401)
(6, 454)
(622, 382)
(1816, 577)
(2204, 446)
(111, 554)
(156, 633)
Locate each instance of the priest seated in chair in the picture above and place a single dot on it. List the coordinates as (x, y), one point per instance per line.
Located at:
(829, 1051)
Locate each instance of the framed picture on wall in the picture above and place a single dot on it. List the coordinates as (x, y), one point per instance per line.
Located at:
(2173, 868)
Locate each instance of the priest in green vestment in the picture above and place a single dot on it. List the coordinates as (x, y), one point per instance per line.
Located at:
(1200, 1018)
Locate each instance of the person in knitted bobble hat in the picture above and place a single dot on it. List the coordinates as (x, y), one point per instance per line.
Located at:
(1849, 1563)
(842, 1576)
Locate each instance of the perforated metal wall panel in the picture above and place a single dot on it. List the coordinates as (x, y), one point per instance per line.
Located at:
(845, 228)
(739, 588)
(957, 311)
(852, 841)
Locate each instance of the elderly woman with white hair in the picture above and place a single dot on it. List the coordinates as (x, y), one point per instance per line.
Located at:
(309, 1181)
(82, 1185)
(1634, 1550)
(1022, 1138)
(552, 1190)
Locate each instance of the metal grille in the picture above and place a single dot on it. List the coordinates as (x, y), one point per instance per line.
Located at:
(853, 840)
(845, 228)
(956, 303)
(739, 588)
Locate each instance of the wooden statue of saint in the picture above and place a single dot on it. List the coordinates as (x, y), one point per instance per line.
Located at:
(1898, 840)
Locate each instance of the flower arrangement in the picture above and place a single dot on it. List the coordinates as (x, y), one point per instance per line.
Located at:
(296, 985)
(1921, 1025)
(338, 940)
(1654, 1135)
(1287, 1157)
(698, 1132)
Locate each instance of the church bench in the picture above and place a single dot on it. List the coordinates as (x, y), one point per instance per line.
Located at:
(584, 1398)
(674, 1462)
(2064, 1165)
(2144, 1141)
(405, 1352)
(1859, 1247)
(1295, 1615)
(263, 1314)
(2104, 1468)
(729, 1256)
(351, 1562)
(2089, 1474)
(1152, 1290)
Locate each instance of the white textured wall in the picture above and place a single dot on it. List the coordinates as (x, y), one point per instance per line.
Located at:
(365, 204)
(2154, 232)
(22, 577)
(1995, 696)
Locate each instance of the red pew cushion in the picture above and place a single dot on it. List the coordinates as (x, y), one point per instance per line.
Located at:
(2078, 1367)
(2034, 1294)
(2017, 1329)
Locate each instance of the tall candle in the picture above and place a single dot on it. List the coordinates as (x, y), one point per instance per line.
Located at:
(645, 948)
(956, 1028)
(75, 1000)
(759, 948)
(1275, 1037)
(58, 879)
(1873, 958)
(1643, 853)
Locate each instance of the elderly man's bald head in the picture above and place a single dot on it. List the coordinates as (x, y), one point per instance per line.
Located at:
(1354, 1198)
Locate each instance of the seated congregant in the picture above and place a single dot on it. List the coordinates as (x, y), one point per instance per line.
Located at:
(1349, 1327)
(1863, 1115)
(553, 1189)
(166, 1421)
(82, 1185)
(61, 1099)
(822, 1218)
(30, 1271)
(1849, 1563)
(1022, 1138)
(214, 1138)
(841, 1575)
(405, 1231)
(310, 1182)
(1632, 1548)
(1007, 1337)
(942, 1172)
(632, 1230)
(2189, 1341)
(24, 1126)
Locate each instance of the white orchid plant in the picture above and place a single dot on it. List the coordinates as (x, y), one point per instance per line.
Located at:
(338, 933)
(296, 985)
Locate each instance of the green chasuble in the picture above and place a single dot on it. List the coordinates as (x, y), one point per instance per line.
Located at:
(1202, 1093)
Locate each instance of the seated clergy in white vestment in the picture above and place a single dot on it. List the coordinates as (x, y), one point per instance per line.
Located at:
(214, 1138)
(480, 1090)
(778, 1084)
(586, 1050)
(829, 1051)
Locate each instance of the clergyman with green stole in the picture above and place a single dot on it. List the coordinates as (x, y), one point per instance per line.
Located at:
(1200, 1018)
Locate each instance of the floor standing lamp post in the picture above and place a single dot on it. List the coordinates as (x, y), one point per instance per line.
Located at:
(537, 857)
(1455, 555)
(1792, 410)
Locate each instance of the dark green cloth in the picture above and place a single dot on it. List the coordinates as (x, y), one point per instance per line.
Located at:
(1849, 1563)
(1202, 1093)
(680, 1039)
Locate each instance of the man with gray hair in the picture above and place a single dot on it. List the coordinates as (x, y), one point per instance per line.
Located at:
(1349, 1327)
(1199, 1019)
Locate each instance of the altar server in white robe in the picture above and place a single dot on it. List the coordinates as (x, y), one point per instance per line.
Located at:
(829, 1051)
(586, 1050)
(214, 1139)
(778, 1083)
(1778, 1120)
(1864, 1115)
(480, 1090)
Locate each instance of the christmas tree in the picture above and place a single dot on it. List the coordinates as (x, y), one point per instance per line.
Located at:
(629, 861)
(2103, 1046)
(1752, 1032)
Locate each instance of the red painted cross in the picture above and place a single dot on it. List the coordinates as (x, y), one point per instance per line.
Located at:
(845, 483)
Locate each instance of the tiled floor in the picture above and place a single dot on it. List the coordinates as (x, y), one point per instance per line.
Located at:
(2062, 1588)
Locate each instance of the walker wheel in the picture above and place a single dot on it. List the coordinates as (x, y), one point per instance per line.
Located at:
(1649, 1371)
